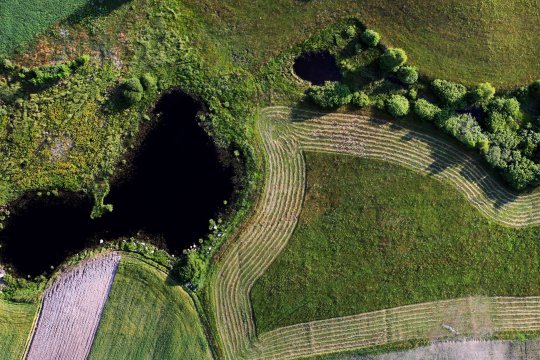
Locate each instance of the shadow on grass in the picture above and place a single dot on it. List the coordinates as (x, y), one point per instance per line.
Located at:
(94, 9)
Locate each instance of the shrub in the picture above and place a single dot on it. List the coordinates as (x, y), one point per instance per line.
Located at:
(449, 92)
(483, 93)
(190, 269)
(360, 99)
(131, 91)
(426, 110)
(464, 128)
(392, 59)
(505, 139)
(330, 95)
(507, 106)
(350, 31)
(397, 105)
(495, 158)
(522, 173)
(529, 142)
(407, 75)
(149, 82)
(370, 38)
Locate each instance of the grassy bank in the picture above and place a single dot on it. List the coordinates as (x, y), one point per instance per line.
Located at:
(373, 235)
(148, 316)
(15, 325)
(466, 41)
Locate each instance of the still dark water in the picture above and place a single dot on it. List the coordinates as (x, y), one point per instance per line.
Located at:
(317, 67)
(177, 183)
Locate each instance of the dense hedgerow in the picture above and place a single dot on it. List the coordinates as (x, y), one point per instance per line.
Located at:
(330, 95)
(397, 105)
(465, 128)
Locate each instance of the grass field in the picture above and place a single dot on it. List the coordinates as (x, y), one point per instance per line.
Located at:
(23, 20)
(374, 235)
(147, 317)
(466, 41)
(15, 325)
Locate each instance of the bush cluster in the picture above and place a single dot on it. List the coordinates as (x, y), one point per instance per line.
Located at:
(426, 110)
(360, 99)
(370, 38)
(330, 95)
(131, 91)
(465, 128)
(407, 75)
(397, 105)
(449, 92)
(392, 59)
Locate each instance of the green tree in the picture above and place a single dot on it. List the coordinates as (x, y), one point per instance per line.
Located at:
(397, 105)
(407, 75)
(360, 99)
(449, 92)
(370, 38)
(392, 59)
(464, 128)
(426, 110)
(483, 93)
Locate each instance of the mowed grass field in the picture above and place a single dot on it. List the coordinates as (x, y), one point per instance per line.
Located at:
(21, 21)
(15, 325)
(146, 317)
(373, 235)
(467, 41)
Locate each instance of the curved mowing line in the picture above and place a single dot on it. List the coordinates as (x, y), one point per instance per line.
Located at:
(269, 229)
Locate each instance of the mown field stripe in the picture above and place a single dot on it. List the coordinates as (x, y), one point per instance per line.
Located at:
(286, 133)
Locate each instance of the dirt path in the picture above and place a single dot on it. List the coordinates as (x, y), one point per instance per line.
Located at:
(465, 350)
(71, 310)
(286, 133)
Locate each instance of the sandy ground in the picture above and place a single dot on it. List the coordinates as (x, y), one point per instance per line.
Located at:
(71, 310)
(467, 350)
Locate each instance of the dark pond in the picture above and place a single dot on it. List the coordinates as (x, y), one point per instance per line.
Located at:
(177, 183)
(317, 67)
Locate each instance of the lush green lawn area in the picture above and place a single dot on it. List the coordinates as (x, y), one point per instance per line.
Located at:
(466, 41)
(21, 21)
(146, 317)
(15, 326)
(374, 235)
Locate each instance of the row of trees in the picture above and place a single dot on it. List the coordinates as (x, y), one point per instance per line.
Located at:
(495, 125)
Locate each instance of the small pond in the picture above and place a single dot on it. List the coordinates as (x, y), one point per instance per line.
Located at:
(177, 182)
(317, 67)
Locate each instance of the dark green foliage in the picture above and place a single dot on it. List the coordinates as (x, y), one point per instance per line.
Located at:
(397, 105)
(330, 95)
(426, 110)
(370, 38)
(494, 157)
(529, 142)
(350, 31)
(131, 91)
(360, 99)
(503, 113)
(407, 75)
(148, 82)
(505, 138)
(190, 269)
(534, 88)
(483, 93)
(449, 92)
(392, 59)
(522, 173)
(464, 128)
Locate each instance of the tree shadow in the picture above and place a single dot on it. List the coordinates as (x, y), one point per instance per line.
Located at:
(94, 9)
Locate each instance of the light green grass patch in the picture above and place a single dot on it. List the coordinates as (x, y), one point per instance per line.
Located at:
(148, 317)
(373, 235)
(21, 21)
(15, 326)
